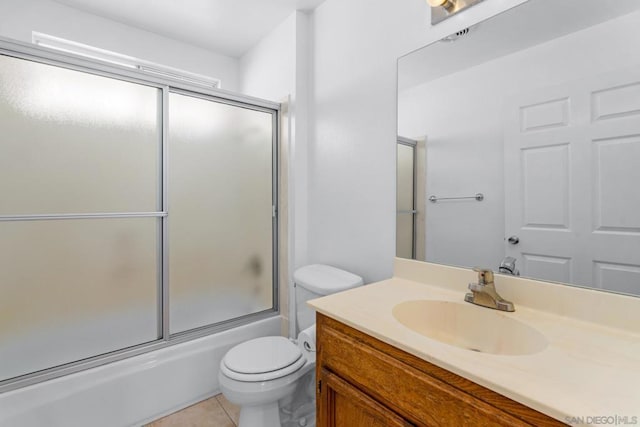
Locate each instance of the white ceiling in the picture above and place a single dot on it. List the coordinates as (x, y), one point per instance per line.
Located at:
(229, 27)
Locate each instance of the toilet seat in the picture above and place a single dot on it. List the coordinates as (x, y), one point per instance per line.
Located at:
(262, 359)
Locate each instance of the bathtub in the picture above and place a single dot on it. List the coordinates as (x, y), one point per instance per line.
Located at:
(133, 391)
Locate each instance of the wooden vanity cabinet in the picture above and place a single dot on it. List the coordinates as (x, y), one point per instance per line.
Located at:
(362, 381)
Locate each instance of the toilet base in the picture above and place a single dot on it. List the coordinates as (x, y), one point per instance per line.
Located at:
(267, 415)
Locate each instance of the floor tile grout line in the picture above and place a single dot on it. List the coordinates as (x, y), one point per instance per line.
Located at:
(225, 410)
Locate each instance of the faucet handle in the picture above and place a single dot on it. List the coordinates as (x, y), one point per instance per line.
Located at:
(476, 287)
(485, 275)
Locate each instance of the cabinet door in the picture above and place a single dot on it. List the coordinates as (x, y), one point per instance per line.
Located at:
(343, 405)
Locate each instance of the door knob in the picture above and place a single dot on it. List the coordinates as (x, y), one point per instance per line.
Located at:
(514, 240)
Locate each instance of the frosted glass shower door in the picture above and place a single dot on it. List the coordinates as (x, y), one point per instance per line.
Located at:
(220, 197)
(79, 227)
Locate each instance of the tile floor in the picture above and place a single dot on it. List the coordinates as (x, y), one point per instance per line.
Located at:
(214, 412)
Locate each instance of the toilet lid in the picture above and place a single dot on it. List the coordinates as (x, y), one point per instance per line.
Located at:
(262, 355)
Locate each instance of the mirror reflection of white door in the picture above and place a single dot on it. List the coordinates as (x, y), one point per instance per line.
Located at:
(572, 181)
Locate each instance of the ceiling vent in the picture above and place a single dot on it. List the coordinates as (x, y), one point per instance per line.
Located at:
(455, 36)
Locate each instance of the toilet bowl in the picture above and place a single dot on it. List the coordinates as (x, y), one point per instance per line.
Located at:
(258, 393)
(272, 379)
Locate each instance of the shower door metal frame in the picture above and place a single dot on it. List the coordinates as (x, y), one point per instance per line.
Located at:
(39, 54)
(413, 212)
(275, 114)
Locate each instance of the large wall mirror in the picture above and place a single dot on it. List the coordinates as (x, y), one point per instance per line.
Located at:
(526, 130)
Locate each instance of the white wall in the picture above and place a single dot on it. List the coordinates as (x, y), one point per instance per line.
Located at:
(268, 69)
(462, 116)
(353, 126)
(18, 18)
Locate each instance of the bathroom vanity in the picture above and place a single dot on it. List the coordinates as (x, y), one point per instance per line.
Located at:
(375, 369)
(365, 382)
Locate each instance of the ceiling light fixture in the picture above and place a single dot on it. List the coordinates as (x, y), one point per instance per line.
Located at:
(449, 5)
(443, 9)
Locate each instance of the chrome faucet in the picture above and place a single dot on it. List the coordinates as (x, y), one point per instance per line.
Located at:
(484, 292)
(508, 266)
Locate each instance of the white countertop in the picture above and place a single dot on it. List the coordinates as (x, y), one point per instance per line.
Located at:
(587, 370)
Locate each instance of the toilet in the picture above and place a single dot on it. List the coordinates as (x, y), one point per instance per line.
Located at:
(272, 379)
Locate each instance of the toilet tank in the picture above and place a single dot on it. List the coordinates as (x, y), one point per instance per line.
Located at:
(315, 281)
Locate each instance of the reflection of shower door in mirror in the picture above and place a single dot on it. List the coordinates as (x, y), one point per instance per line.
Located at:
(406, 200)
(571, 170)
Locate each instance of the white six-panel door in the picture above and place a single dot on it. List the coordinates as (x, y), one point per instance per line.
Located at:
(572, 181)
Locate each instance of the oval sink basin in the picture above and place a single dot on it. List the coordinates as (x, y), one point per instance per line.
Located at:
(470, 327)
